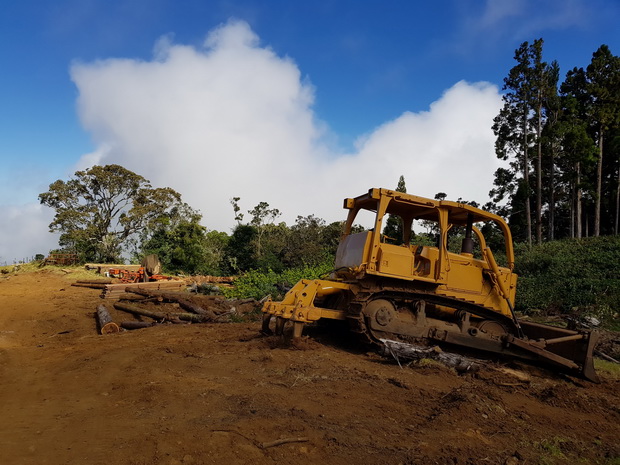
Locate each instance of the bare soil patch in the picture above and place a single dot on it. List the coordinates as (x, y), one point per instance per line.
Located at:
(220, 393)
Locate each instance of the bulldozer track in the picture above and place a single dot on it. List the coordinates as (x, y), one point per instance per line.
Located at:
(359, 325)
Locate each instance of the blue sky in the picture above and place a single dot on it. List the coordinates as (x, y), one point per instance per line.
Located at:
(364, 77)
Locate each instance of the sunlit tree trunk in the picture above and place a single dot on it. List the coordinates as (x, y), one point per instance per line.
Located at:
(578, 201)
(599, 186)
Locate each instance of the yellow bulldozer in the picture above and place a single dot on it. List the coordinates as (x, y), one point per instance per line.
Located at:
(392, 288)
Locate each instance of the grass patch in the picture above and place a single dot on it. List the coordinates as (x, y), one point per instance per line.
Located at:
(608, 369)
(551, 450)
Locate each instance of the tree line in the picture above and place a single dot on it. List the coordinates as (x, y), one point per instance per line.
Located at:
(109, 213)
(562, 142)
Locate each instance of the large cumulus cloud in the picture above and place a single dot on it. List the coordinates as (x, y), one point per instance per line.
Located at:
(232, 118)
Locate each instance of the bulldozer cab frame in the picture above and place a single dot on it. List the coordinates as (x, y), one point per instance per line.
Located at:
(458, 275)
(445, 214)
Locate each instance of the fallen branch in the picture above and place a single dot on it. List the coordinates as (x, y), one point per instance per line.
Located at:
(279, 442)
(605, 356)
(408, 352)
(512, 384)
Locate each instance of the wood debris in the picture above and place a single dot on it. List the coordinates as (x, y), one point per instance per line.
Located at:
(167, 306)
(409, 352)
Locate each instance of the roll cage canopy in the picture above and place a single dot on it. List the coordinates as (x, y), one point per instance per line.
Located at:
(412, 207)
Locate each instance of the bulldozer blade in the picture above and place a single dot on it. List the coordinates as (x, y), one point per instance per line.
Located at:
(571, 351)
(588, 364)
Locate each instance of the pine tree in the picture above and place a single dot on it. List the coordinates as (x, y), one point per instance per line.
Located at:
(544, 81)
(513, 130)
(550, 138)
(393, 228)
(577, 146)
(603, 83)
(531, 84)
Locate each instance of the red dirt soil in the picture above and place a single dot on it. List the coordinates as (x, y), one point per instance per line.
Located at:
(220, 393)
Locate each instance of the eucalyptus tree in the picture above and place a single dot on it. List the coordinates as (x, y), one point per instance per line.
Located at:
(101, 208)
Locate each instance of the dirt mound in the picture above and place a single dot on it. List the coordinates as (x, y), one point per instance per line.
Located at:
(220, 393)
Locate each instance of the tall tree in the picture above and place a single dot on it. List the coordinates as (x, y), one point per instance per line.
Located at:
(603, 76)
(543, 83)
(531, 87)
(246, 249)
(578, 148)
(102, 207)
(512, 126)
(550, 135)
(262, 216)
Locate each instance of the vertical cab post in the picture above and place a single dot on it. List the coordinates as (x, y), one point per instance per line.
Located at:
(467, 248)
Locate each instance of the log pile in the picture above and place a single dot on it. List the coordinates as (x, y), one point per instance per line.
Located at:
(160, 316)
(157, 306)
(115, 291)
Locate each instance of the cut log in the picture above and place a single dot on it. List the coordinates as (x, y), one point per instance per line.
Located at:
(160, 316)
(134, 297)
(91, 286)
(104, 321)
(409, 352)
(137, 324)
(94, 281)
(185, 304)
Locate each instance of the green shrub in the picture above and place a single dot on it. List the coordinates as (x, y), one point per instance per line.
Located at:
(258, 284)
(570, 276)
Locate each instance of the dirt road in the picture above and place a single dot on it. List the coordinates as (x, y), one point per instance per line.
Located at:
(217, 393)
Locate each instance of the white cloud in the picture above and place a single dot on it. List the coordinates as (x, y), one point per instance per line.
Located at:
(23, 232)
(234, 119)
